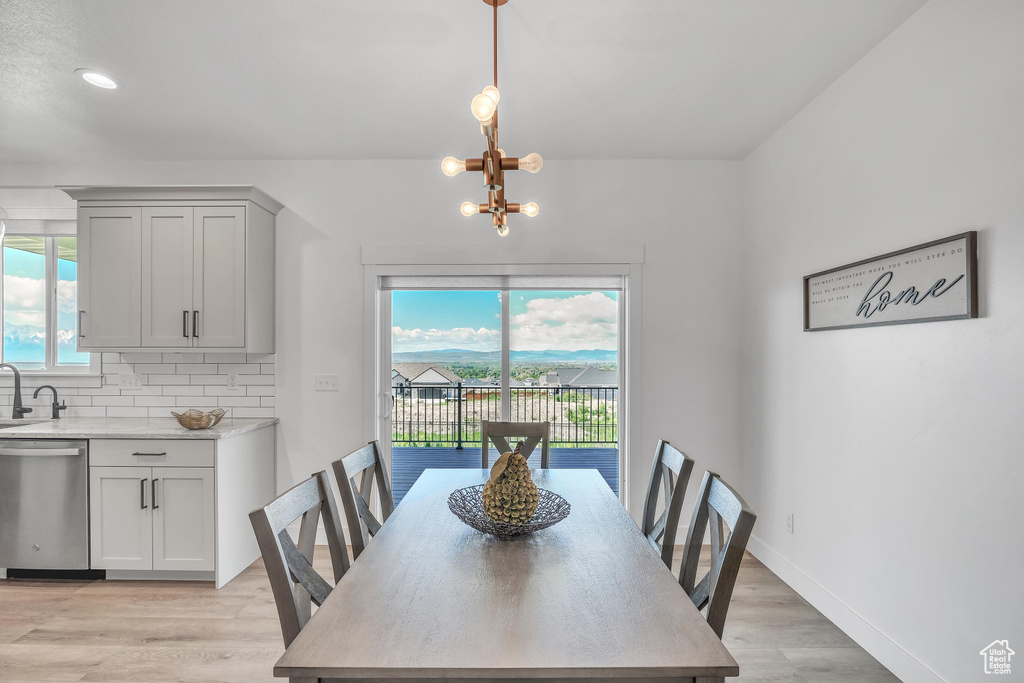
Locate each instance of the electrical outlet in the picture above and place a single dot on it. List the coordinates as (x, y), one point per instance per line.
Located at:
(129, 380)
(232, 380)
(789, 522)
(326, 382)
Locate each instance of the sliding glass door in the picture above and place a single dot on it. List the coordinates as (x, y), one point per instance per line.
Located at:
(459, 356)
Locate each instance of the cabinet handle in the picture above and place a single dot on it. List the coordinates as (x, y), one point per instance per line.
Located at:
(184, 324)
(142, 494)
(195, 323)
(150, 455)
(81, 333)
(155, 506)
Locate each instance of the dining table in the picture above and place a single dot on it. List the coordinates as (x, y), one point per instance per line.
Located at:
(431, 598)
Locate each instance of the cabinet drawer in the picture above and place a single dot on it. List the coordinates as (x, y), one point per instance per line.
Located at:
(151, 452)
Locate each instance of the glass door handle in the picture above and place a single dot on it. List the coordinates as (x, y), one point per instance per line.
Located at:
(387, 404)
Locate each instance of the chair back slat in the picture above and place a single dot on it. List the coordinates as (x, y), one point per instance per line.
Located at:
(731, 521)
(670, 472)
(289, 565)
(368, 467)
(299, 500)
(302, 571)
(532, 434)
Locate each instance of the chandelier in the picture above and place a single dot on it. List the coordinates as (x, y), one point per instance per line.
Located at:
(493, 163)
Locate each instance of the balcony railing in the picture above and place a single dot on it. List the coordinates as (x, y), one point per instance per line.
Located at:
(450, 414)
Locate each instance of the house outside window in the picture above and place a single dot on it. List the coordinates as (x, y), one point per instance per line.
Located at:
(40, 308)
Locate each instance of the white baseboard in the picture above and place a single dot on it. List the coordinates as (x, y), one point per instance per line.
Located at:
(900, 662)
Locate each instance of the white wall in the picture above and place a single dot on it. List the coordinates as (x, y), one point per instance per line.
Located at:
(686, 213)
(898, 448)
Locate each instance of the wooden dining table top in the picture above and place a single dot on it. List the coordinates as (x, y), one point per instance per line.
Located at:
(432, 598)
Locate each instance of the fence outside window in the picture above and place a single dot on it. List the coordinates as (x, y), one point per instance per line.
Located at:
(450, 414)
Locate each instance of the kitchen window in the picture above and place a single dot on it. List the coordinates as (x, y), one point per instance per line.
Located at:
(40, 321)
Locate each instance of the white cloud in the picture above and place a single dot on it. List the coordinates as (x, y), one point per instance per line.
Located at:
(67, 296)
(24, 301)
(481, 339)
(584, 321)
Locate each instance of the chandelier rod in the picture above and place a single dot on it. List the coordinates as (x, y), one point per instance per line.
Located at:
(495, 5)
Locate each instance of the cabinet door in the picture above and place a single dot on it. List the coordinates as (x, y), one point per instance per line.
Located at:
(120, 519)
(218, 289)
(183, 523)
(167, 276)
(109, 277)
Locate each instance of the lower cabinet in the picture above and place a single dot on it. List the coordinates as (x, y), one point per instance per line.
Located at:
(178, 508)
(152, 518)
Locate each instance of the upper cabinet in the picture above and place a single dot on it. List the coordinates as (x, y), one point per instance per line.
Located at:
(175, 268)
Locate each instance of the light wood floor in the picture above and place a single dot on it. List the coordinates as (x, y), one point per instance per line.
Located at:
(149, 632)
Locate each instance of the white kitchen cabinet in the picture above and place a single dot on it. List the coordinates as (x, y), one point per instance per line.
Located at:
(109, 277)
(176, 268)
(152, 518)
(178, 508)
(120, 518)
(183, 522)
(218, 291)
(167, 257)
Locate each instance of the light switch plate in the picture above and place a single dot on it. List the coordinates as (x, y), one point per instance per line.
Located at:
(326, 382)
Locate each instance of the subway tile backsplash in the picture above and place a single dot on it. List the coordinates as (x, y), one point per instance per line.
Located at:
(168, 381)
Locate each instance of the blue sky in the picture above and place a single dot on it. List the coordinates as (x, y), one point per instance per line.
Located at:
(541, 320)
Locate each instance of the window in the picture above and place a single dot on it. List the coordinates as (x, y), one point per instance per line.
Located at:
(40, 320)
(516, 348)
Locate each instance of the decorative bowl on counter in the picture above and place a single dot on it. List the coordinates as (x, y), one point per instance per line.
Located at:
(198, 419)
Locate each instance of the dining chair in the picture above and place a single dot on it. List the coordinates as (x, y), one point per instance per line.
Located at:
(720, 506)
(365, 463)
(289, 566)
(532, 433)
(671, 472)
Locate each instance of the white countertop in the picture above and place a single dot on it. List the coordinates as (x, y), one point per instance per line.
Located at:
(127, 428)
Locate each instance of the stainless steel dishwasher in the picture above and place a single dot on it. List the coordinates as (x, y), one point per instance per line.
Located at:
(44, 507)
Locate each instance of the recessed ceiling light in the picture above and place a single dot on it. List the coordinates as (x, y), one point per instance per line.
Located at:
(97, 79)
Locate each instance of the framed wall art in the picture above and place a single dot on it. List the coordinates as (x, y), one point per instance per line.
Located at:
(933, 281)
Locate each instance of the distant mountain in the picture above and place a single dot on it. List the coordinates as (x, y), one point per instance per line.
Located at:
(27, 344)
(467, 356)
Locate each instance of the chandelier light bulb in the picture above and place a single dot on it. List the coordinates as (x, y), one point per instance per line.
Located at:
(530, 209)
(469, 209)
(501, 153)
(483, 107)
(531, 162)
(451, 166)
(492, 92)
(502, 230)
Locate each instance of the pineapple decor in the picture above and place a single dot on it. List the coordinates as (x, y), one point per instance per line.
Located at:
(510, 495)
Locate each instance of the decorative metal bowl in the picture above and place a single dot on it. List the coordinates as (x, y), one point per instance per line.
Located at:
(467, 504)
(197, 419)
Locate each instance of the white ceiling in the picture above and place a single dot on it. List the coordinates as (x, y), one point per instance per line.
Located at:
(340, 79)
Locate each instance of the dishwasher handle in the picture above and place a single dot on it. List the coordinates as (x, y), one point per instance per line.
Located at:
(43, 452)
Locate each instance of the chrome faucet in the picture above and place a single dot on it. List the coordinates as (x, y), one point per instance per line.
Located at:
(19, 409)
(55, 407)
